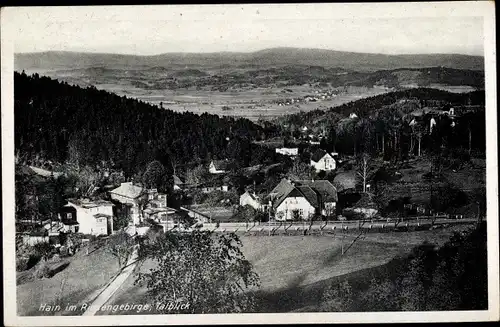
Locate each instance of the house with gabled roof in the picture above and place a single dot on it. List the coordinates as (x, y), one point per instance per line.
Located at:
(251, 199)
(303, 199)
(178, 183)
(218, 166)
(130, 195)
(322, 160)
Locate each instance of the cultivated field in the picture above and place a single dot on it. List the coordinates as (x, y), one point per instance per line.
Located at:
(289, 266)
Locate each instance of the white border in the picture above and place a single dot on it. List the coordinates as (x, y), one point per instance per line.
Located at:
(322, 11)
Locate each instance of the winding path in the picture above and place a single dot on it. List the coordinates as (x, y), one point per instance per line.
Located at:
(112, 287)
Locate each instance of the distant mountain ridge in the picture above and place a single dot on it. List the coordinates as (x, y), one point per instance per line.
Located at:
(56, 60)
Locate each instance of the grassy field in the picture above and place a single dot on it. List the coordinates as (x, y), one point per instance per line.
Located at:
(295, 269)
(79, 283)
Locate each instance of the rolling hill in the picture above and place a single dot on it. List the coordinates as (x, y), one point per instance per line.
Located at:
(52, 60)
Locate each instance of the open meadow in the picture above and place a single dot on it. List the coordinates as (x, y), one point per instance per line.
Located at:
(294, 270)
(78, 284)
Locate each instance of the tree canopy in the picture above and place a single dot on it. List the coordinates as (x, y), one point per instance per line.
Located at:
(202, 268)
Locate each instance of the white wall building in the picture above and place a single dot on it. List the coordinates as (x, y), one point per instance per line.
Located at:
(322, 160)
(292, 152)
(93, 217)
(252, 200)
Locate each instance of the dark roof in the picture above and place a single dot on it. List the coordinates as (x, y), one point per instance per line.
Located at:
(312, 190)
(326, 189)
(284, 186)
(69, 222)
(300, 191)
(318, 155)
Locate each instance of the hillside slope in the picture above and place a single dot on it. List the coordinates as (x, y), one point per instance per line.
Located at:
(61, 122)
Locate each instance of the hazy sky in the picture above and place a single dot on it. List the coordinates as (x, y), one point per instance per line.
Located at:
(150, 30)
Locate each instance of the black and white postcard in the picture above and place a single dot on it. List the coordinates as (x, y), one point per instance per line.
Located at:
(249, 164)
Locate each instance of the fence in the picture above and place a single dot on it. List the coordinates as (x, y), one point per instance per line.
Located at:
(335, 225)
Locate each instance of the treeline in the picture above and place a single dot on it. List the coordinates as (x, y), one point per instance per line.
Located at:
(87, 126)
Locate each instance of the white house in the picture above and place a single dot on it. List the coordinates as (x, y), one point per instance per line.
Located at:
(353, 115)
(178, 183)
(322, 160)
(292, 152)
(218, 166)
(93, 217)
(302, 199)
(130, 194)
(251, 199)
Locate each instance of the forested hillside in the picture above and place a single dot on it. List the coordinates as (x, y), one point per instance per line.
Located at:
(61, 122)
(397, 124)
(423, 96)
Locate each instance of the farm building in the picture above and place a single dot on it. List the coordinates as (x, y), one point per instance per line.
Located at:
(302, 199)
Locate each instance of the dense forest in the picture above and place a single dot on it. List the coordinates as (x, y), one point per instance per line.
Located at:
(61, 122)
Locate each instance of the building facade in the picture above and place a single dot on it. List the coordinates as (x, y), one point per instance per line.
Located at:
(323, 161)
(93, 217)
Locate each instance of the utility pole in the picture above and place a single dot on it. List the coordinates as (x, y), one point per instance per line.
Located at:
(269, 217)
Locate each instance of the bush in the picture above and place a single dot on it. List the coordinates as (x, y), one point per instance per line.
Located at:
(42, 270)
(22, 263)
(337, 298)
(350, 214)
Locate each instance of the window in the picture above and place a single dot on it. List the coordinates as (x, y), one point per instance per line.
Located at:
(69, 216)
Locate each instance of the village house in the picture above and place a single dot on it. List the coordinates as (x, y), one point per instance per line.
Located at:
(131, 195)
(178, 183)
(93, 217)
(322, 160)
(291, 152)
(218, 166)
(251, 199)
(303, 199)
(67, 217)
